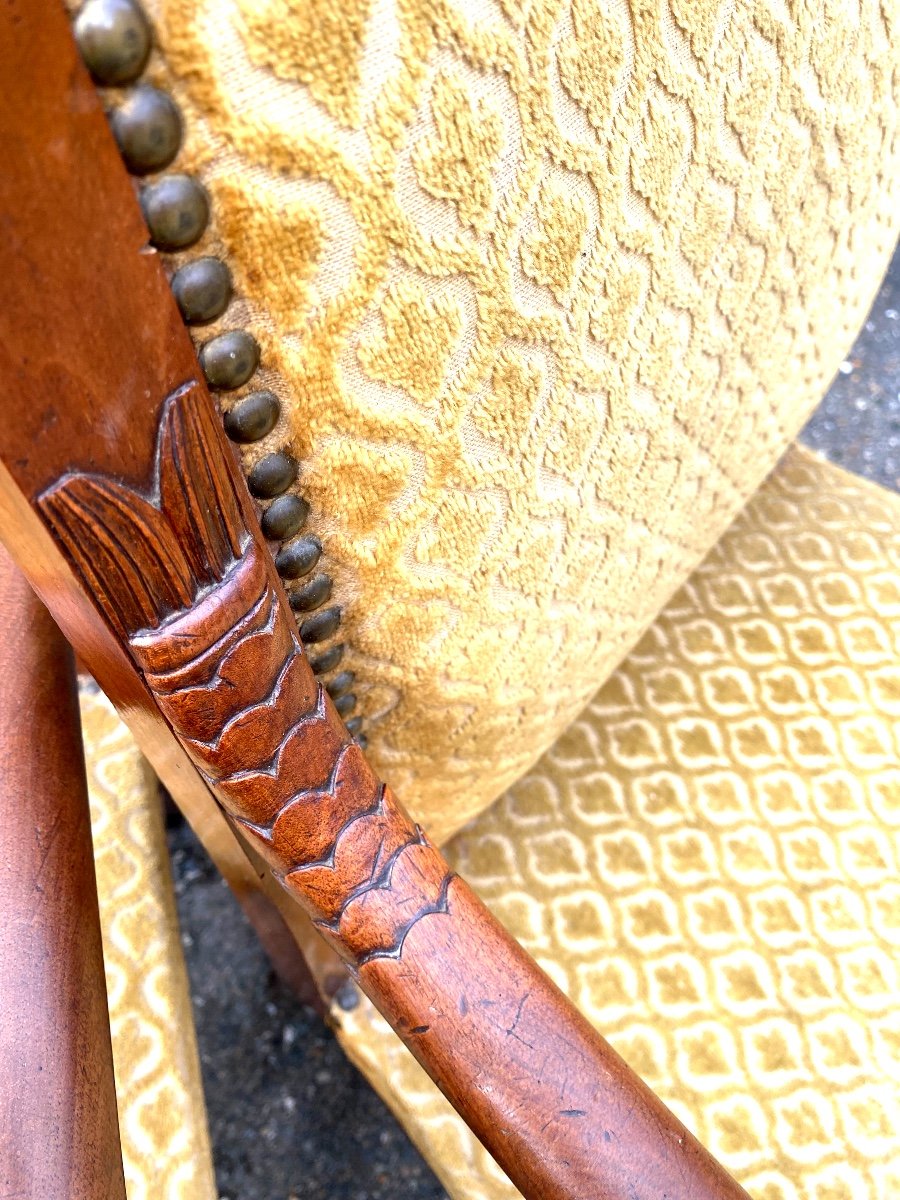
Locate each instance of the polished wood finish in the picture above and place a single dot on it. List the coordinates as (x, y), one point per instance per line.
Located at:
(75, 259)
(59, 1133)
(149, 549)
(191, 591)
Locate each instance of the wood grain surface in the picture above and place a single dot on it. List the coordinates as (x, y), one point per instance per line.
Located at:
(123, 500)
(59, 1132)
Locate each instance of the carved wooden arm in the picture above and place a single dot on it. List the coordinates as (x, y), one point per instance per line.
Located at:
(121, 499)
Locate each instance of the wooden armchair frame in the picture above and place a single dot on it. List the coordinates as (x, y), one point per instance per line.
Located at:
(121, 502)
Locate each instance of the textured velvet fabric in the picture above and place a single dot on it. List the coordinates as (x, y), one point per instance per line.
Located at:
(546, 287)
(162, 1116)
(707, 860)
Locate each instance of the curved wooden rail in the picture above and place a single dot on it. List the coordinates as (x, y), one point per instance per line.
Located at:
(121, 460)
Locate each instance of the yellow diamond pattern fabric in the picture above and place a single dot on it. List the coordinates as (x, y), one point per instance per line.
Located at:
(547, 287)
(707, 859)
(162, 1117)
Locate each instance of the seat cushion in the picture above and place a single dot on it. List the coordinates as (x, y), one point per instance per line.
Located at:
(545, 289)
(707, 860)
(162, 1117)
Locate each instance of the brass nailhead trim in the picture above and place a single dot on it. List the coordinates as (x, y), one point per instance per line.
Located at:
(272, 475)
(345, 704)
(328, 659)
(176, 209)
(284, 517)
(254, 417)
(229, 359)
(321, 626)
(312, 595)
(147, 126)
(115, 38)
(335, 687)
(298, 558)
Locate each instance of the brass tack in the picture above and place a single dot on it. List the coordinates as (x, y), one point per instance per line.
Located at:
(321, 626)
(312, 595)
(272, 475)
(202, 289)
(284, 517)
(328, 659)
(298, 558)
(147, 127)
(176, 209)
(114, 40)
(253, 417)
(229, 359)
(337, 686)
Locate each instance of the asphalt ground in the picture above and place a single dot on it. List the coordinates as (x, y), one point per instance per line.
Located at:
(290, 1118)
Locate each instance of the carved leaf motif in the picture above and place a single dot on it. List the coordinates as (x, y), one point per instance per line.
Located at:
(196, 492)
(123, 547)
(179, 574)
(149, 560)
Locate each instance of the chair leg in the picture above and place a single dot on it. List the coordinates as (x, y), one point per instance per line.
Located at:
(59, 1132)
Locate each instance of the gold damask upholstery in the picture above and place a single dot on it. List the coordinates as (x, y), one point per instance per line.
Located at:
(546, 286)
(162, 1117)
(707, 859)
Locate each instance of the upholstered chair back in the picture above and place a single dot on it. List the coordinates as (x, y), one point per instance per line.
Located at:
(544, 289)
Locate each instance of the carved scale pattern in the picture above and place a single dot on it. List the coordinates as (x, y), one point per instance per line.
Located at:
(179, 574)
